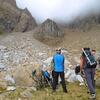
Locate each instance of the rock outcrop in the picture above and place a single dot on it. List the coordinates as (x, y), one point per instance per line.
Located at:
(48, 29)
(14, 19)
(85, 23)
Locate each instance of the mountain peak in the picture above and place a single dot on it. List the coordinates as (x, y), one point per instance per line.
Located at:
(48, 20)
(49, 29)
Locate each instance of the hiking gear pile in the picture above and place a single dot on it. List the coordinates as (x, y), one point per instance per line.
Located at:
(42, 80)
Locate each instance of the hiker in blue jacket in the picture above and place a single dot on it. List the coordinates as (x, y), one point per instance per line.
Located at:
(58, 70)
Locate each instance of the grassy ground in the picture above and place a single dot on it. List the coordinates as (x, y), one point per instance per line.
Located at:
(75, 92)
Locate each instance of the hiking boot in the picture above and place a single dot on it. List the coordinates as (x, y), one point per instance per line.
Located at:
(65, 91)
(93, 96)
(53, 91)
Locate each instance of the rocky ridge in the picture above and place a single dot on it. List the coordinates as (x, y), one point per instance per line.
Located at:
(48, 29)
(14, 19)
(85, 23)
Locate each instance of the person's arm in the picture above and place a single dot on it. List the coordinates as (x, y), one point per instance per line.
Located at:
(63, 60)
(52, 63)
(81, 63)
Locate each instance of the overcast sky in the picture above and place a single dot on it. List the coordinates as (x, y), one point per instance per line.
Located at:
(59, 10)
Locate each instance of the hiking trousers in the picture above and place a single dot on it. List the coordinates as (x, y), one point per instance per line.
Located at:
(55, 80)
(90, 73)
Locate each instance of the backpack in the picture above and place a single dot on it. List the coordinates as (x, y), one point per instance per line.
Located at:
(77, 69)
(90, 59)
(46, 74)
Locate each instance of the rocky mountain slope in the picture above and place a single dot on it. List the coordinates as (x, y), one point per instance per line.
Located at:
(14, 19)
(85, 23)
(48, 29)
(20, 54)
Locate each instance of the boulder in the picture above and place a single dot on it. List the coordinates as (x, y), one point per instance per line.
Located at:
(3, 84)
(10, 80)
(22, 77)
(11, 88)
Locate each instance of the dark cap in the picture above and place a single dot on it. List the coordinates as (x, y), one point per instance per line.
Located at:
(86, 48)
(58, 49)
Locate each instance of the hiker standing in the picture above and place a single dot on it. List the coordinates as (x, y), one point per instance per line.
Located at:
(58, 70)
(89, 71)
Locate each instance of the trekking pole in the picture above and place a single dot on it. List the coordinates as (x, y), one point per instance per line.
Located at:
(48, 82)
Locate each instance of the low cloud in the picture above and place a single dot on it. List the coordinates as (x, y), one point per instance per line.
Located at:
(63, 11)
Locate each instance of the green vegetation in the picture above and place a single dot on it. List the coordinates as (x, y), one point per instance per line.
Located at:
(2, 90)
(75, 92)
(15, 94)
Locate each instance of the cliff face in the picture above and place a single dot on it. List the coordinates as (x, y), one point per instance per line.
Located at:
(12, 2)
(86, 23)
(48, 29)
(14, 19)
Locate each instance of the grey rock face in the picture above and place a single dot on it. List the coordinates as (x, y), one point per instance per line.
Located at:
(85, 23)
(14, 19)
(12, 2)
(49, 29)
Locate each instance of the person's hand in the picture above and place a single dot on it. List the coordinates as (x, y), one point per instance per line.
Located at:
(83, 74)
